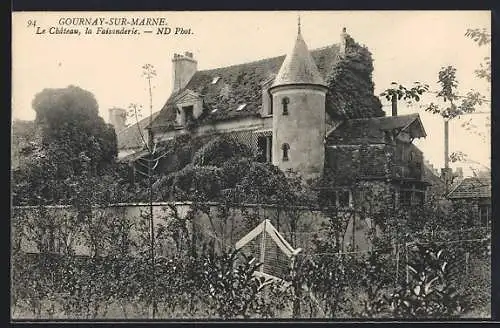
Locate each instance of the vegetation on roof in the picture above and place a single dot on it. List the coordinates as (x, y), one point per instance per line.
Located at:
(350, 84)
(237, 84)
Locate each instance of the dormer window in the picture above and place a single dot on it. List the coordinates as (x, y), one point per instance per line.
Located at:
(284, 102)
(285, 147)
(215, 79)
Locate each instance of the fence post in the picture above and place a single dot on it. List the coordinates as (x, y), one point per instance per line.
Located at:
(263, 247)
(406, 260)
(354, 231)
(397, 265)
(467, 254)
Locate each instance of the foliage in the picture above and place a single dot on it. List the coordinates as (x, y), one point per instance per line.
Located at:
(230, 284)
(72, 147)
(375, 277)
(428, 293)
(70, 126)
(326, 274)
(350, 86)
(199, 183)
(481, 37)
(448, 82)
(398, 92)
(219, 150)
(237, 179)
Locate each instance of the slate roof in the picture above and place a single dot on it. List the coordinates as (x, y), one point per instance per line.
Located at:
(238, 84)
(299, 67)
(472, 188)
(130, 137)
(372, 129)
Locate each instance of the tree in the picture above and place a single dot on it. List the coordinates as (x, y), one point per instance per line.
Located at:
(70, 146)
(399, 92)
(69, 123)
(481, 37)
(454, 106)
(350, 86)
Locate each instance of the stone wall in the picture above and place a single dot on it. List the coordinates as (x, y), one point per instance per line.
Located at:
(55, 227)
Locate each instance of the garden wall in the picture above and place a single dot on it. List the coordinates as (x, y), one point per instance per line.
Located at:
(52, 228)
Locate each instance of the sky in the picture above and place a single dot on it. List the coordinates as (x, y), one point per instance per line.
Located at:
(407, 46)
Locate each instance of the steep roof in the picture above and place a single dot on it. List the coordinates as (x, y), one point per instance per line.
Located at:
(472, 187)
(299, 67)
(130, 137)
(372, 129)
(238, 84)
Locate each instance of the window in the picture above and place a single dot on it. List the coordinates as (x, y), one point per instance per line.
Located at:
(484, 215)
(285, 147)
(285, 101)
(419, 198)
(343, 198)
(264, 144)
(405, 198)
(188, 113)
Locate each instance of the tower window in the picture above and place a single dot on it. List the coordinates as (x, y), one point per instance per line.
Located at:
(285, 147)
(285, 101)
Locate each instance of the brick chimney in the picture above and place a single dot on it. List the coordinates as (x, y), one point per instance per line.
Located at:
(183, 69)
(117, 118)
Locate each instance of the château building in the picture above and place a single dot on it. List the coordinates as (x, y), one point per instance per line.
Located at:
(277, 106)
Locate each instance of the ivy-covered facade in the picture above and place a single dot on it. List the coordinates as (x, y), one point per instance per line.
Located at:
(311, 112)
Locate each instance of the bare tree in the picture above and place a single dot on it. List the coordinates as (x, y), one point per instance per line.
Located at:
(147, 164)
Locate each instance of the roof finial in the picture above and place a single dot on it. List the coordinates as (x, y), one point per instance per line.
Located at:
(298, 24)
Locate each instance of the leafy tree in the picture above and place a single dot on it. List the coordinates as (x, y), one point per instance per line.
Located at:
(448, 93)
(350, 86)
(481, 37)
(71, 127)
(71, 145)
(399, 92)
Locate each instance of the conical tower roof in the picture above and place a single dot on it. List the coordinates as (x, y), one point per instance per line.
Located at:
(299, 66)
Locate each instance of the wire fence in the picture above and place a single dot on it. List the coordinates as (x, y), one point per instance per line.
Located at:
(467, 251)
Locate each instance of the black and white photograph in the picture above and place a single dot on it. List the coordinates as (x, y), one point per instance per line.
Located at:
(250, 165)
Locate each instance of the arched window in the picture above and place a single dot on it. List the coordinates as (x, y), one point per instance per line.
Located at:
(285, 147)
(285, 101)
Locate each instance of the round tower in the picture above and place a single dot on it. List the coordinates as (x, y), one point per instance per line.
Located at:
(298, 99)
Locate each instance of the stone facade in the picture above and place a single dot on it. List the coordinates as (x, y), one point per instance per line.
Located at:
(294, 146)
